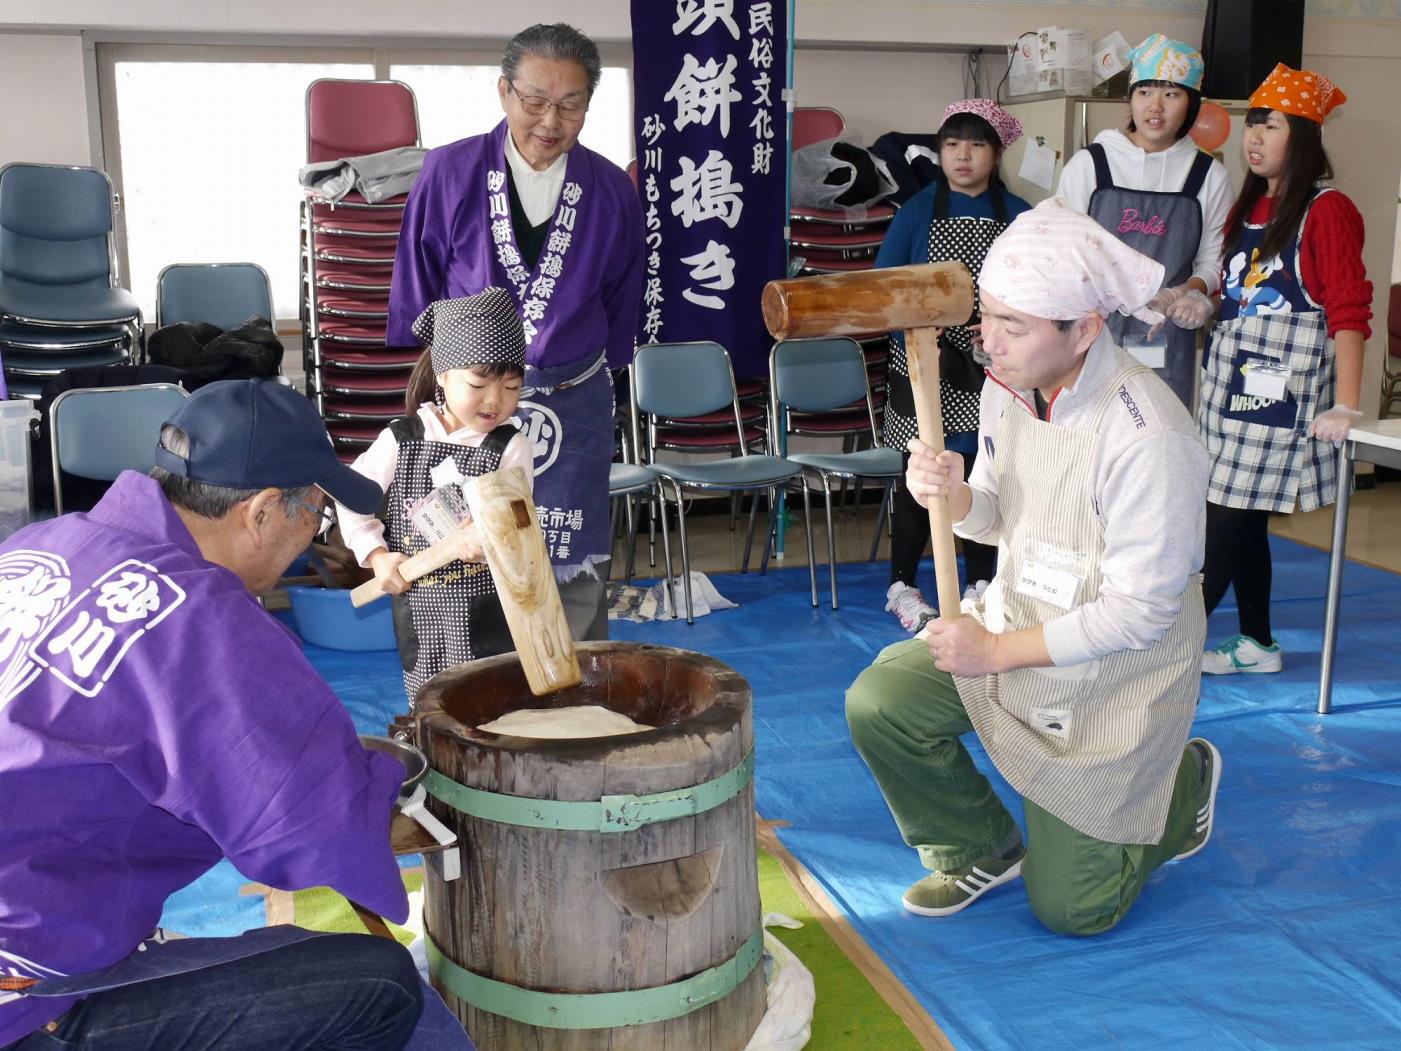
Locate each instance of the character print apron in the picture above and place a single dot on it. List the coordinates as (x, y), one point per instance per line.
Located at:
(1269, 371)
(1167, 227)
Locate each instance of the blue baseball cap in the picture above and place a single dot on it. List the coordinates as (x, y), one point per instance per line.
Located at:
(256, 434)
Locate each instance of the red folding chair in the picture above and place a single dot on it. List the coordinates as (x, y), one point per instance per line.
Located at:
(349, 118)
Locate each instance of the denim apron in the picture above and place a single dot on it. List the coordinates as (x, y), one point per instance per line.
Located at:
(1262, 456)
(1166, 226)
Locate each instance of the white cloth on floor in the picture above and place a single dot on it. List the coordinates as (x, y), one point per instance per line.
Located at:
(704, 598)
(787, 1024)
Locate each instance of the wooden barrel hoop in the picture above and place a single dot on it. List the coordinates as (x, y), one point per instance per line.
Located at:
(613, 813)
(596, 1010)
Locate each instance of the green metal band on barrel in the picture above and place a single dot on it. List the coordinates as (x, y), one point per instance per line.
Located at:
(617, 813)
(596, 1010)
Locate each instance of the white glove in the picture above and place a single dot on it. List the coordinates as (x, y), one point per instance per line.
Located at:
(1164, 299)
(1192, 310)
(1333, 425)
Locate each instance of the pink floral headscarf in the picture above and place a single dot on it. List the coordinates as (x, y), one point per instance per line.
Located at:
(1008, 128)
(1054, 262)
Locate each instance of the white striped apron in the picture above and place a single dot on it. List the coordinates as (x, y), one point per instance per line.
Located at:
(1095, 744)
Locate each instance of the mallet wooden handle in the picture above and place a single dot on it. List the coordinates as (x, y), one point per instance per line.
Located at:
(861, 301)
(420, 565)
(504, 510)
(922, 353)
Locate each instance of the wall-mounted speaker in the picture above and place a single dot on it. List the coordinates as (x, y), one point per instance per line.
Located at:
(1243, 39)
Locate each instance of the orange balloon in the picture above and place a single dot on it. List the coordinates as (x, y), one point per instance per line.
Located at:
(1213, 127)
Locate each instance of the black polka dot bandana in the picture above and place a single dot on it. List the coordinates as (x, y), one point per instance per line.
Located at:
(475, 330)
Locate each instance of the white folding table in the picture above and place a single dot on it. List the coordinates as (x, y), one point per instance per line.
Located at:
(1374, 441)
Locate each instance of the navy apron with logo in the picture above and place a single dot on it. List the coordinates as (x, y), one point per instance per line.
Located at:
(1262, 456)
(1165, 225)
(961, 375)
(568, 415)
(452, 615)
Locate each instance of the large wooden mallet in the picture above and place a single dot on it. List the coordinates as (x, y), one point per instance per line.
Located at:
(519, 562)
(919, 299)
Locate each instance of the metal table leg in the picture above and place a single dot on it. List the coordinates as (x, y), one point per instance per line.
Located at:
(1346, 466)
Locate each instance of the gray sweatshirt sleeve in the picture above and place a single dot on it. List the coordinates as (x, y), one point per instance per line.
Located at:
(1152, 500)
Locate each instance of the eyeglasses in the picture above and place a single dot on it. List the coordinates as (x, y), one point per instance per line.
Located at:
(325, 514)
(538, 105)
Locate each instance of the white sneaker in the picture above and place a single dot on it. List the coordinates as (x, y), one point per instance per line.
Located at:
(908, 604)
(975, 591)
(1242, 654)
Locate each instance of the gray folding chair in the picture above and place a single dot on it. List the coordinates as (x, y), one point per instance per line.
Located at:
(99, 432)
(819, 375)
(681, 380)
(220, 294)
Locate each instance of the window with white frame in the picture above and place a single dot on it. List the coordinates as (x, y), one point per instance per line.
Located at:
(455, 101)
(206, 163)
(204, 142)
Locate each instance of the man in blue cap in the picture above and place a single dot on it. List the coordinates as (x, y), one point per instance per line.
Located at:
(153, 720)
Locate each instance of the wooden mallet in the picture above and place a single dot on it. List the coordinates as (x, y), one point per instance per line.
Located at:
(519, 562)
(918, 299)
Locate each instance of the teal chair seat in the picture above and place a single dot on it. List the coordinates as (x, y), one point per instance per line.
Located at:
(738, 472)
(863, 463)
(66, 305)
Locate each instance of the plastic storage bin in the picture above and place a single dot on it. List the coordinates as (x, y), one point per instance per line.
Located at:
(16, 481)
(325, 617)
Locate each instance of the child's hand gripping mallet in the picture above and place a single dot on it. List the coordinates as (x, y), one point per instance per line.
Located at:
(503, 513)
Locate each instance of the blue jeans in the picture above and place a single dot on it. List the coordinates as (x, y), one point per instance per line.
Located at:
(341, 992)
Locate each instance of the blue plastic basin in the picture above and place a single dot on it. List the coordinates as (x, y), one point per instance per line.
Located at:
(325, 617)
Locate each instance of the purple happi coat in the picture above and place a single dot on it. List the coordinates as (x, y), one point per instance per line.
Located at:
(451, 245)
(153, 720)
(578, 305)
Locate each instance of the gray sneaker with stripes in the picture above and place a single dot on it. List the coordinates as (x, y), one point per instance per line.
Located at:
(1206, 812)
(944, 893)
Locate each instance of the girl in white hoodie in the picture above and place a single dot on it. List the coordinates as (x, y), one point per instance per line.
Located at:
(1152, 188)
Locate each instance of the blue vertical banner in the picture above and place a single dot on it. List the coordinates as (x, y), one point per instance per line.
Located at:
(709, 121)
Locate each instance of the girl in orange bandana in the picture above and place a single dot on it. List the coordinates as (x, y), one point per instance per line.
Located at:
(1284, 371)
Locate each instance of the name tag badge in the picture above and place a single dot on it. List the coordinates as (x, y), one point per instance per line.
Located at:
(1265, 379)
(1152, 353)
(1056, 586)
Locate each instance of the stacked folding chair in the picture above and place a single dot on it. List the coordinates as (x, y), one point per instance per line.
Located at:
(60, 304)
(347, 261)
(832, 241)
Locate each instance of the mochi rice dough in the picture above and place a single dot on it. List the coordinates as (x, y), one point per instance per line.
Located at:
(580, 720)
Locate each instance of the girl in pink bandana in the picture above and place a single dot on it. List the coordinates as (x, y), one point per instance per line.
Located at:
(957, 217)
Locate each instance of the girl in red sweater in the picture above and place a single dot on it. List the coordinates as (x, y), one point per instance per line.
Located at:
(1284, 371)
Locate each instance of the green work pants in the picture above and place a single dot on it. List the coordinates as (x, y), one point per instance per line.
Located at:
(906, 719)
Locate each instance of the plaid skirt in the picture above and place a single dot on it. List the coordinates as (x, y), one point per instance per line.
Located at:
(1262, 456)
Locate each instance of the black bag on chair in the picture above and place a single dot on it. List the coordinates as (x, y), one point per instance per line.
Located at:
(910, 158)
(206, 353)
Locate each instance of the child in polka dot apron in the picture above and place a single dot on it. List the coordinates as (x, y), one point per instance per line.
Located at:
(461, 399)
(957, 217)
(1282, 380)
